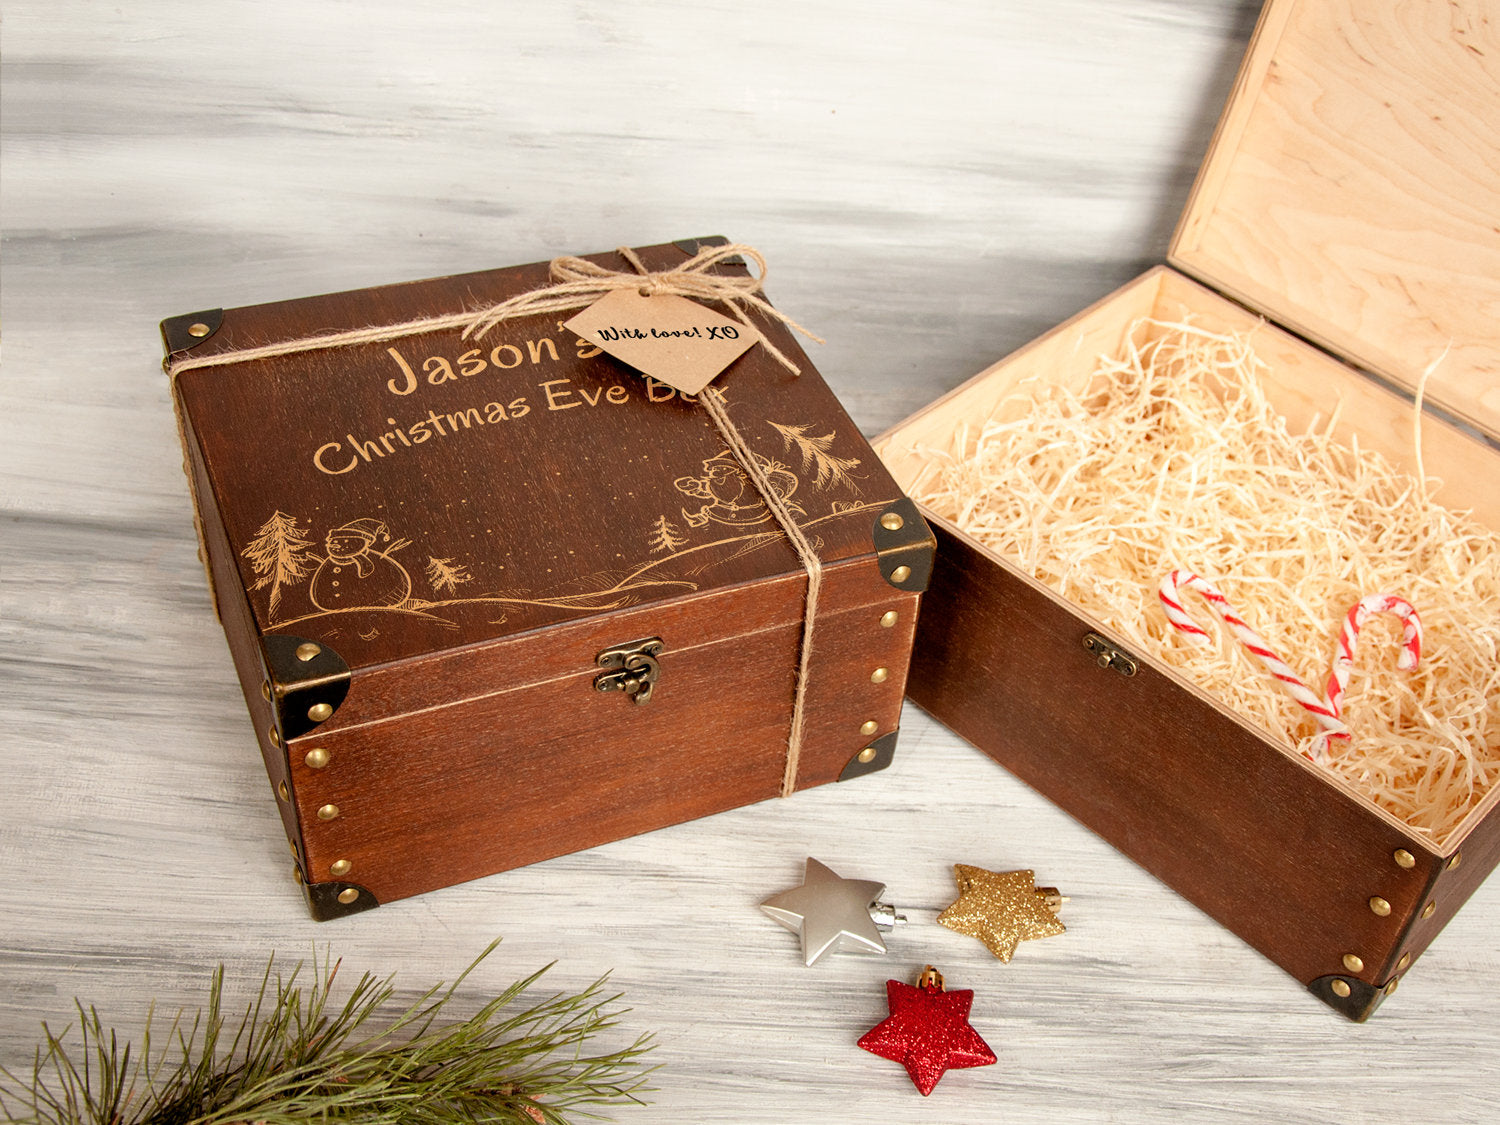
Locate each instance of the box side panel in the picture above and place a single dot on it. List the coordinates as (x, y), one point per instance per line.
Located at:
(241, 634)
(1240, 827)
(861, 649)
(1465, 864)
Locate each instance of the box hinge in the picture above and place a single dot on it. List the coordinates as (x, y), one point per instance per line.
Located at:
(904, 546)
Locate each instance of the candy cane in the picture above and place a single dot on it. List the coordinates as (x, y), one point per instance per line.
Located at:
(1343, 653)
(1291, 683)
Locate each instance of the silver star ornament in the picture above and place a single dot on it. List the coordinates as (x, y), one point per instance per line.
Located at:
(828, 912)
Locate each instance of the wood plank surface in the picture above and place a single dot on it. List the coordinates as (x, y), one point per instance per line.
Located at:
(933, 185)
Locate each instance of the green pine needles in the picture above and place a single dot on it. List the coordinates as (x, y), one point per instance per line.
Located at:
(296, 1057)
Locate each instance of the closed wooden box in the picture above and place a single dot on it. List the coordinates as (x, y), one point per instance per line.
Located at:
(1352, 197)
(492, 601)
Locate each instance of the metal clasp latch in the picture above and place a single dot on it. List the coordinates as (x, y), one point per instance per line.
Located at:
(632, 668)
(1109, 656)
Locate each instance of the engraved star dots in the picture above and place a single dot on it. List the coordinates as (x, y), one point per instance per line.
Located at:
(1002, 909)
(928, 1030)
(827, 911)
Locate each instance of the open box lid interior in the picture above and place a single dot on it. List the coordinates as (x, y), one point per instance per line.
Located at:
(1352, 191)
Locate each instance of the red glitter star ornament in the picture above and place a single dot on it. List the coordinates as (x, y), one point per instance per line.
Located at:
(928, 1030)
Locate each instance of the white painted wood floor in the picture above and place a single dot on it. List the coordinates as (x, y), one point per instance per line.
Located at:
(934, 184)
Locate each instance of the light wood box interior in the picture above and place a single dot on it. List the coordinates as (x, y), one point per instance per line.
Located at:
(1304, 383)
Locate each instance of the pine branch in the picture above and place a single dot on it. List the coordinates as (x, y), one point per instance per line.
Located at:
(293, 1058)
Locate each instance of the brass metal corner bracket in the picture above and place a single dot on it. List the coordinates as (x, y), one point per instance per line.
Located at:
(694, 246)
(874, 757)
(308, 680)
(179, 333)
(904, 546)
(1351, 996)
(327, 901)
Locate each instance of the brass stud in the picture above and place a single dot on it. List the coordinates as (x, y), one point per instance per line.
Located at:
(275, 737)
(265, 690)
(888, 618)
(1405, 859)
(316, 759)
(1458, 857)
(1390, 986)
(307, 651)
(297, 875)
(199, 330)
(328, 812)
(1403, 964)
(1354, 962)
(901, 574)
(868, 727)
(1429, 909)
(340, 868)
(1379, 905)
(283, 792)
(319, 711)
(867, 754)
(880, 675)
(293, 845)
(1341, 989)
(892, 521)
(348, 895)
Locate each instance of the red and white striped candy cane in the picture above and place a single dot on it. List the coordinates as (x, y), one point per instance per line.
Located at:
(1291, 683)
(1343, 653)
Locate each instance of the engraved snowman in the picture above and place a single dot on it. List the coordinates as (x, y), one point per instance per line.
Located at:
(359, 572)
(732, 498)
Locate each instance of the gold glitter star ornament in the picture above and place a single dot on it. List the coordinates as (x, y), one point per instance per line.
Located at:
(1002, 908)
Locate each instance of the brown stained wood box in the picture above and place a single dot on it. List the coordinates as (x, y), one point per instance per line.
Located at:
(1351, 196)
(494, 601)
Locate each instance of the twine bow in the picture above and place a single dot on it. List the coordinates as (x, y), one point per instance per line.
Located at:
(579, 282)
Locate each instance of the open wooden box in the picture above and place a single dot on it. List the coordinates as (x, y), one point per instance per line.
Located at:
(1351, 195)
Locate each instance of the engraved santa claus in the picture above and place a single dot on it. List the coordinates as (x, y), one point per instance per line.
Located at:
(359, 572)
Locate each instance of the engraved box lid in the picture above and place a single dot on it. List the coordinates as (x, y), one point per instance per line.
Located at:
(398, 497)
(1352, 190)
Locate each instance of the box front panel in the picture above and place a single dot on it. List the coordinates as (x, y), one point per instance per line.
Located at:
(510, 776)
(1246, 831)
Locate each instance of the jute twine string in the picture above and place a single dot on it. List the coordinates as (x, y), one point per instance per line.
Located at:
(577, 283)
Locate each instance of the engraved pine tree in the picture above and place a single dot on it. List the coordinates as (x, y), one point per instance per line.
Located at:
(816, 452)
(279, 555)
(664, 536)
(445, 574)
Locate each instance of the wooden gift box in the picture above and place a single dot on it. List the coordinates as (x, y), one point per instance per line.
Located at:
(436, 560)
(1351, 196)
